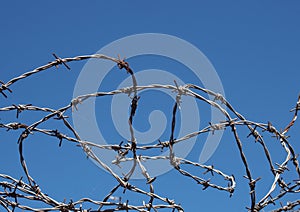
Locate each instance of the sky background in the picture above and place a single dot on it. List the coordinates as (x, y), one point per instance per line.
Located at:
(254, 47)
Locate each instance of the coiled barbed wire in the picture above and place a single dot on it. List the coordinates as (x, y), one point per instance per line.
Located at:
(14, 190)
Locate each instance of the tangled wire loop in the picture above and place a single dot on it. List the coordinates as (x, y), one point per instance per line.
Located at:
(14, 191)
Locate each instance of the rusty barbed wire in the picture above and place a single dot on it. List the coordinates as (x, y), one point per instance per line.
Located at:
(13, 191)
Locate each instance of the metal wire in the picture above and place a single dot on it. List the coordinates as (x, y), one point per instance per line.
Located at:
(13, 190)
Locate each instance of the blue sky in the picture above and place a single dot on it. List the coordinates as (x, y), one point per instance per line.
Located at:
(254, 47)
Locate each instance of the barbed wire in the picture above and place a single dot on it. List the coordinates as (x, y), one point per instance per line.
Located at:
(13, 191)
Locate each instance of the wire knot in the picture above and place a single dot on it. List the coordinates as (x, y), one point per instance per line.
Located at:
(181, 90)
(60, 61)
(123, 64)
(4, 87)
(75, 102)
(220, 97)
(127, 90)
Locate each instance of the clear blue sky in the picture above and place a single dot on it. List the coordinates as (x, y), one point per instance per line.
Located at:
(254, 47)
